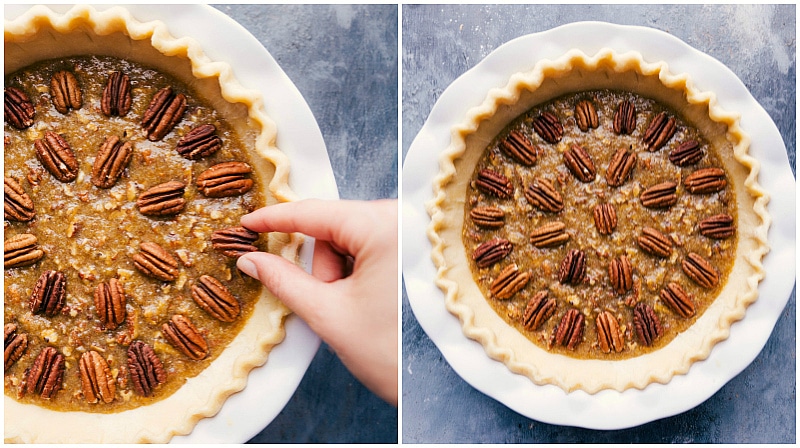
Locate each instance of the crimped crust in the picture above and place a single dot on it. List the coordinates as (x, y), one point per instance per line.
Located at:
(43, 34)
(573, 72)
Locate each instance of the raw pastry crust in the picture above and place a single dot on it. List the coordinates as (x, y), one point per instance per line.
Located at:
(42, 34)
(573, 72)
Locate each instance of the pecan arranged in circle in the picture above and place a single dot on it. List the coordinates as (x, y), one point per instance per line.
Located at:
(45, 376)
(510, 281)
(700, 270)
(705, 180)
(65, 91)
(494, 183)
(202, 141)
(719, 226)
(18, 108)
(573, 267)
(21, 250)
(213, 297)
(620, 273)
(548, 127)
(184, 336)
(569, 332)
(146, 369)
(164, 112)
(110, 162)
(539, 309)
(153, 261)
(609, 335)
(677, 299)
(655, 243)
(49, 293)
(163, 199)
(97, 382)
(56, 156)
(234, 242)
(491, 252)
(660, 130)
(17, 205)
(625, 118)
(109, 301)
(15, 344)
(117, 98)
(517, 146)
(543, 195)
(225, 180)
(605, 218)
(549, 235)
(580, 163)
(646, 323)
(586, 115)
(687, 153)
(662, 195)
(491, 217)
(620, 167)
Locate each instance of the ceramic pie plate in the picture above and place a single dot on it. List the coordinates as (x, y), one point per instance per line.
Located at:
(607, 409)
(271, 386)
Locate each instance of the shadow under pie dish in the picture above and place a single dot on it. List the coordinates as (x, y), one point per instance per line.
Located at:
(566, 232)
(169, 261)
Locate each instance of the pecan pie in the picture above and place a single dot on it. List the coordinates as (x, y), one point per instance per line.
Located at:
(602, 227)
(125, 178)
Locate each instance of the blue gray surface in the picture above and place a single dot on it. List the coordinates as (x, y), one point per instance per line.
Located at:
(343, 59)
(758, 43)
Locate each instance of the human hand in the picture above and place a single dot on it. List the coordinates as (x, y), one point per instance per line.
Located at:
(350, 299)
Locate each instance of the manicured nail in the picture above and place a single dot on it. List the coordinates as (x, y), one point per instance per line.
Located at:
(247, 266)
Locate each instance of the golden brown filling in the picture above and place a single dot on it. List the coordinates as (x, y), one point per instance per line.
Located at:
(600, 225)
(110, 217)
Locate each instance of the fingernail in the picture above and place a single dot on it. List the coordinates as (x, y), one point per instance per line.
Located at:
(247, 266)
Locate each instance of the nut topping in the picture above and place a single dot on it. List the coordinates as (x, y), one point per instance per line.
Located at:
(184, 336)
(605, 218)
(625, 118)
(569, 332)
(539, 309)
(202, 141)
(493, 183)
(45, 376)
(700, 270)
(213, 297)
(661, 129)
(543, 195)
(509, 282)
(687, 153)
(573, 267)
(517, 146)
(109, 301)
(655, 243)
(609, 335)
(146, 369)
(65, 92)
(662, 195)
(491, 252)
(718, 226)
(586, 115)
(15, 344)
(153, 261)
(110, 162)
(549, 235)
(234, 242)
(580, 163)
(18, 108)
(97, 382)
(225, 180)
(491, 217)
(21, 250)
(620, 273)
(705, 180)
(49, 293)
(116, 99)
(646, 323)
(677, 299)
(164, 112)
(548, 127)
(163, 199)
(17, 205)
(56, 155)
(620, 167)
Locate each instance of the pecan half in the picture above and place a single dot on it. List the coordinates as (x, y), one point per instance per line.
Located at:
(117, 98)
(164, 112)
(97, 382)
(543, 195)
(662, 127)
(146, 369)
(491, 217)
(580, 163)
(45, 376)
(700, 270)
(620, 167)
(111, 161)
(687, 153)
(234, 242)
(56, 155)
(225, 180)
(586, 115)
(213, 297)
(21, 250)
(184, 336)
(549, 235)
(49, 293)
(646, 323)
(573, 267)
(609, 335)
(662, 195)
(625, 118)
(705, 180)
(491, 252)
(539, 309)
(718, 226)
(510, 281)
(569, 332)
(548, 127)
(65, 91)
(517, 146)
(109, 302)
(202, 141)
(18, 108)
(153, 261)
(605, 218)
(17, 205)
(655, 243)
(620, 273)
(163, 199)
(677, 299)
(14, 343)
(494, 183)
